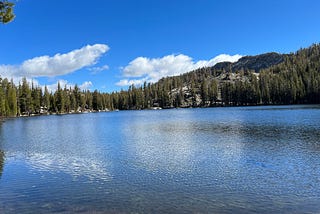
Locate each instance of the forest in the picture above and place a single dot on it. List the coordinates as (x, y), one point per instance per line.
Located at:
(294, 80)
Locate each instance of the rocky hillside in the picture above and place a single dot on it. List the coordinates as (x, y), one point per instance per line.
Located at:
(269, 78)
(254, 63)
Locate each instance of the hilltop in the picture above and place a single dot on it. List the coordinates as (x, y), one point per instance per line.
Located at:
(253, 63)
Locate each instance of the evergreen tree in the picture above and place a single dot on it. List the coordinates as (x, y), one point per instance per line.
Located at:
(25, 98)
(6, 11)
(12, 100)
(46, 98)
(2, 100)
(60, 99)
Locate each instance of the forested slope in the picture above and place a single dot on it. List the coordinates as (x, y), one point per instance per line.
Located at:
(267, 79)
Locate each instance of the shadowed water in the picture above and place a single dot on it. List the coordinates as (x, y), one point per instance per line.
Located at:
(218, 160)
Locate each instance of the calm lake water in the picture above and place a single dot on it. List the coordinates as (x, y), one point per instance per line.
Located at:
(214, 160)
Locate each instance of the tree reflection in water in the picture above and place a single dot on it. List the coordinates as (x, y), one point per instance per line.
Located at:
(1, 162)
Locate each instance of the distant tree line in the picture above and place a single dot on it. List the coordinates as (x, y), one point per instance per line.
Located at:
(294, 81)
(26, 99)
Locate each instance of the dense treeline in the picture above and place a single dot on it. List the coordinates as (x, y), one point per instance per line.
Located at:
(26, 99)
(294, 81)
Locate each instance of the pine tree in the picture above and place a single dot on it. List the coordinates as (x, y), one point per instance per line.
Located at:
(95, 101)
(204, 92)
(12, 100)
(46, 98)
(2, 100)
(25, 98)
(60, 99)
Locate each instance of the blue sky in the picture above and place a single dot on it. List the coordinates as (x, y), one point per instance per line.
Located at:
(109, 44)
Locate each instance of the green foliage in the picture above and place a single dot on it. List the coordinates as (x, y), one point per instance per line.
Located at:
(6, 12)
(12, 100)
(46, 99)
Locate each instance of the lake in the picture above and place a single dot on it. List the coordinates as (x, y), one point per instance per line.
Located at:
(212, 160)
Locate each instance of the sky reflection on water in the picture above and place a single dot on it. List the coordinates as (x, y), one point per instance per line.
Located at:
(225, 160)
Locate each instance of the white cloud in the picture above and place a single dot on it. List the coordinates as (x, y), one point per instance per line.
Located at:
(217, 59)
(53, 87)
(86, 85)
(57, 65)
(96, 70)
(151, 70)
(127, 82)
(64, 83)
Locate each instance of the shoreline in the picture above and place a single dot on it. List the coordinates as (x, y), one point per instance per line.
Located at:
(2, 119)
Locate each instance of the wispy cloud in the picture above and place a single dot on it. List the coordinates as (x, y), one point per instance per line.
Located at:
(151, 70)
(96, 70)
(57, 65)
(127, 82)
(64, 83)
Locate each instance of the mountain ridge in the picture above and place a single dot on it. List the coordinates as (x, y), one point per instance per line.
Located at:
(255, 62)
